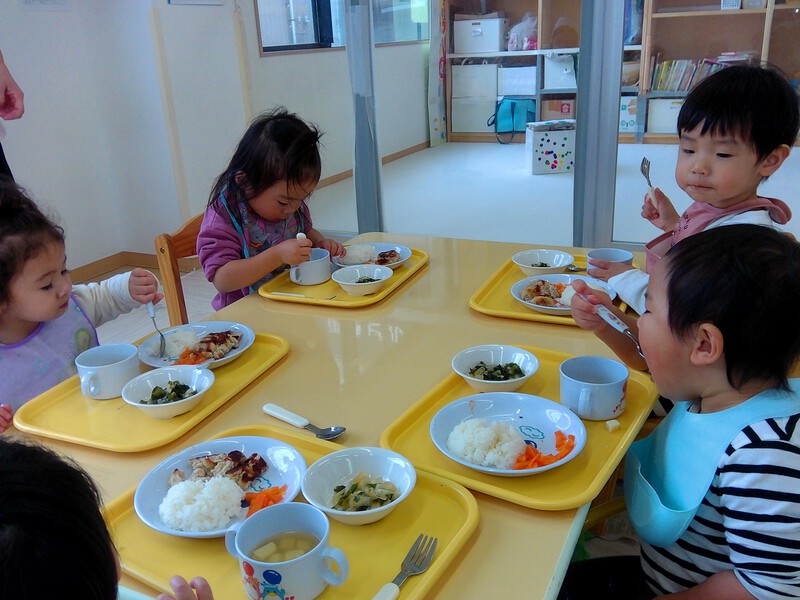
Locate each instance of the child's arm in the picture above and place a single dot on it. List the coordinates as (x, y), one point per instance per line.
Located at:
(6, 417)
(585, 315)
(605, 269)
(320, 241)
(723, 585)
(242, 272)
(106, 300)
(665, 216)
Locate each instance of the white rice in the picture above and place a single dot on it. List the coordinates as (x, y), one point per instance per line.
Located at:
(486, 443)
(177, 342)
(358, 254)
(202, 505)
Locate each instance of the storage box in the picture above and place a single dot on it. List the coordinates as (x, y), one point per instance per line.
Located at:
(470, 114)
(730, 4)
(662, 115)
(559, 71)
(627, 114)
(516, 81)
(550, 146)
(474, 80)
(481, 35)
(558, 109)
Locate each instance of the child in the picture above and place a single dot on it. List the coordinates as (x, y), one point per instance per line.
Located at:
(45, 321)
(258, 206)
(712, 492)
(736, 129)
(55, 541)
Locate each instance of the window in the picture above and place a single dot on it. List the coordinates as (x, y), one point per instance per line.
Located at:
(308, 24)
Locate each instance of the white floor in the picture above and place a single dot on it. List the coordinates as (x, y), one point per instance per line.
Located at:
(485, 192)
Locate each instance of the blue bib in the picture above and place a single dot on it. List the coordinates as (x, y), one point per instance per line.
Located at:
(668, 473)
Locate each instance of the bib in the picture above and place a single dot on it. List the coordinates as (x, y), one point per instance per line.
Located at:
(668, 473)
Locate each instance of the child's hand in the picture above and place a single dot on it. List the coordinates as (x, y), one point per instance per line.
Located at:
(605, 270)
(293, 252)
(143, 287)
(665, 216)
(585, 313)
(198, 589)
(332, 246)
(6, 417)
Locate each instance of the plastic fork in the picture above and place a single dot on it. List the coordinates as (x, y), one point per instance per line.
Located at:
(163, 347)
(613, 320)
(651, 193)
(416, 561)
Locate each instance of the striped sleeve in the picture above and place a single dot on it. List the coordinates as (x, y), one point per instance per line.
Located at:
(749, 521)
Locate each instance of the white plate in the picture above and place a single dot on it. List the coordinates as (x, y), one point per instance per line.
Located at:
(403, 251)
(286, 466)
(536, 418)
(518, 288)
(148, 350)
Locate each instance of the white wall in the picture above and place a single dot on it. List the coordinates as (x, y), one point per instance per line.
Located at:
(119, 160)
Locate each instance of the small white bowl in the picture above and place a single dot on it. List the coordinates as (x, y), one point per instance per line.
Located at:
(556, 260)
(141, 387)
(339, 468)
(494, 354)
(611, 255)
(347, 277)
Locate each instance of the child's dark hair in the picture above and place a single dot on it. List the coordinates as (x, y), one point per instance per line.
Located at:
(755, 103)
(744, 279)
(24, 232)
(52, 532)
(278, 145)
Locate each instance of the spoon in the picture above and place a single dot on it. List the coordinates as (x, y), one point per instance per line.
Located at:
(575, 269)
(329, 433)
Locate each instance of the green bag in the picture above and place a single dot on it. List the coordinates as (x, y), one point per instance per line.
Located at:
(512, 115)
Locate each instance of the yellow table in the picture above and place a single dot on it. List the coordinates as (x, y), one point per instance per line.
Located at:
(362, 368)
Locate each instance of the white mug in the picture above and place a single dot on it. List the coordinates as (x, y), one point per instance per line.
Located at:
(316, 270)
(104, 370)
(301, 578)
(594, 387)
(611, 255)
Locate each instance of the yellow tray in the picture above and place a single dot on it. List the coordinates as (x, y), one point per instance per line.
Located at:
(494, 297)
(63, 413)
(571, 485)
(437, 507)
(330, 293)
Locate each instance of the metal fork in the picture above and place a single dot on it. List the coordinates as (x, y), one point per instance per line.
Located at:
(613, 320)
(163, 347)
(651, 194)
(416, 561)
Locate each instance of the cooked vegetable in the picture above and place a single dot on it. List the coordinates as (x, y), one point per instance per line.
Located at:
(540, 265)
(174, 391)
(363, 493)
(532, 458)
(365, 279)
(264, 498)
(496, 372)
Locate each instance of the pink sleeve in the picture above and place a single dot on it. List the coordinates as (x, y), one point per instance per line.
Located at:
(217, 243)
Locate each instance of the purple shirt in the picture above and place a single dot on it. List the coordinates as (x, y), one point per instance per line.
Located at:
(219, 243)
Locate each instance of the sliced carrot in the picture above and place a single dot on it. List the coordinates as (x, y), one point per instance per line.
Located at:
(264, 498)
(532, 458)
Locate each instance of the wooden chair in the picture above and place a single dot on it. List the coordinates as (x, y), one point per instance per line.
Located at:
(169, 248)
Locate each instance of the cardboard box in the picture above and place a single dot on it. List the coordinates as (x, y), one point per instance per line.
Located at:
(480, 35)
(662, 115)
(516, 81)
(550, 146)
(627, 114)
(558, 109)
(474, 80)
(470, 114)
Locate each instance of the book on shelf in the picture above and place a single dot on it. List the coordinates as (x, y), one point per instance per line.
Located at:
(681, 75)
